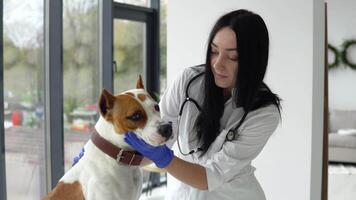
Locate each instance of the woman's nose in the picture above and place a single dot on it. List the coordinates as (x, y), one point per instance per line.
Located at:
(218, 64)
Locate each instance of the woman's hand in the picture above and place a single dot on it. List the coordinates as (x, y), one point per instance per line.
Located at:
(160, 155)
(189, 173)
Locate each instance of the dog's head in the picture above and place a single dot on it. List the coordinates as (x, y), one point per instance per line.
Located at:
(135, 110)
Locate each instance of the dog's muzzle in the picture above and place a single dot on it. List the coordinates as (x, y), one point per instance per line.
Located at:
(165, 129)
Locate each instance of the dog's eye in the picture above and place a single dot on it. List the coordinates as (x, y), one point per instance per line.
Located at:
(136, 116)
(157, 107)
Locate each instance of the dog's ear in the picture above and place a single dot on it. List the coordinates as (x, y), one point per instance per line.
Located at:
(139, 84)
(106, 104)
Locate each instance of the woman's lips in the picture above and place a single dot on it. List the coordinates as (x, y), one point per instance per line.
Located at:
(220, 76)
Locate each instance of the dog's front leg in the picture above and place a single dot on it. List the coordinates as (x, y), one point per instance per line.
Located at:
(100, 191)
(92, 193)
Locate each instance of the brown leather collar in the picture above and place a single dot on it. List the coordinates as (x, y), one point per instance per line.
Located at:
(120, 155)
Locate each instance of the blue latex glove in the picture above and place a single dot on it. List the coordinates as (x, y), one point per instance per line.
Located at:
(160, 155)
(77, 158)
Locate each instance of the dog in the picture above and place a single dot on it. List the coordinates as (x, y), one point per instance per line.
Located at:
(109, 168)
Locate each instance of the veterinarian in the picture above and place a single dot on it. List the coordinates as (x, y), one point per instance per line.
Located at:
(222, 114)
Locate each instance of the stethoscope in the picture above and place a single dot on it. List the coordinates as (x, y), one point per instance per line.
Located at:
(230, 136)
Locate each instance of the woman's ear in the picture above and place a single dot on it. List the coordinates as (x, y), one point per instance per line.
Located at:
(106, 104)
(139, 84)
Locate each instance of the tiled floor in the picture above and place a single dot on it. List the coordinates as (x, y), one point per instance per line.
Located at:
(156, 194)
(342, 182)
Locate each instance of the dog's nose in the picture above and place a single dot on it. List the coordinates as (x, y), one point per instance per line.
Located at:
(165, 129)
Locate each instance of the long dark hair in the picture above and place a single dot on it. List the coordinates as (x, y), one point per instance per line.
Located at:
(252, 47)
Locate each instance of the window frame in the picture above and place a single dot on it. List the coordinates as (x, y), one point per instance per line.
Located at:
(3, 194)
(53, 59)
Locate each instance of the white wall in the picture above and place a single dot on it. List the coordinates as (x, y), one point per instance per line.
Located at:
(342, 80)
(285, 167)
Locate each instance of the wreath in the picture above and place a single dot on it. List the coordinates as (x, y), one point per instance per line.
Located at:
(336, 61)
(344, 54)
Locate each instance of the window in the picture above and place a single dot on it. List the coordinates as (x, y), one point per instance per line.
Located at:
(23, 98)
(136, 46)
(36, 65)
(80, 74)
(163, 45)
(129, 53)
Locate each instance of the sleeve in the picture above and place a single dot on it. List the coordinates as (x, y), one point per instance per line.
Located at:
(170, 103)
(235, 155)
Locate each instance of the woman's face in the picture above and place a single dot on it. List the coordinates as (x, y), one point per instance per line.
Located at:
(223, 58)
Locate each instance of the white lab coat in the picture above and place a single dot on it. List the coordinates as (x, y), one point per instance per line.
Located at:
(227, 163)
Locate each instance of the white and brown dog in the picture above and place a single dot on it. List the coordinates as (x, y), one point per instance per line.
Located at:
(109, 168)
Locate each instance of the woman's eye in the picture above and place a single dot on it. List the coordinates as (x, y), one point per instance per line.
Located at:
(233, 59)
(214, 52)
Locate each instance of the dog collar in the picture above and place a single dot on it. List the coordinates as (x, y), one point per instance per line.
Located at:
(120, 155)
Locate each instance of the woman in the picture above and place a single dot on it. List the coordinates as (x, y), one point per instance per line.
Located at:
(228, 121)
(210, 161)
